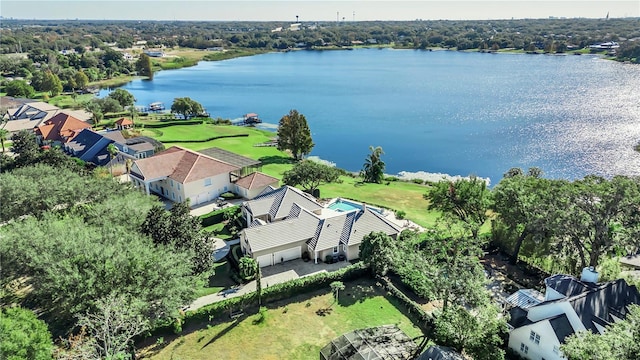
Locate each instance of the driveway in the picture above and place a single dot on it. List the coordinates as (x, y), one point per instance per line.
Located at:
(271, 275)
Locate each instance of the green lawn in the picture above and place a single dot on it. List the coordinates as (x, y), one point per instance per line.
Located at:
(291, 330)
(398, 195)
(221, 280)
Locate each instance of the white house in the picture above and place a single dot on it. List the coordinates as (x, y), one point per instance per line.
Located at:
(539, 325)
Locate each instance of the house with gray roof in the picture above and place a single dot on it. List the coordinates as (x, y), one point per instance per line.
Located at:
(539, 326)
(92, 147)
(285, 222)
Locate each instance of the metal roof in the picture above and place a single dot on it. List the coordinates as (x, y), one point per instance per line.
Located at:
(229, 157)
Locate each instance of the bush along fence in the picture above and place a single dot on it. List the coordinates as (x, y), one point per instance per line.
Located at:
(269, 294)
(419, 317)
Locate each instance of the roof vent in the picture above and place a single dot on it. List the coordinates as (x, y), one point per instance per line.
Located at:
(589, 275)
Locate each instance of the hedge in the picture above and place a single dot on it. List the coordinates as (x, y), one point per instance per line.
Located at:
(414, 311)
(205, 140)
(170, 123)
(278, 292)
(212, 218)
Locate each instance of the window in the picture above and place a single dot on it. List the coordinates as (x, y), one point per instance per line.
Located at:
(173, 195)
(171, 183)
(335, 249)
(207, 182)
(524, 348)
(534, 337)
(556, 350)
(178, 186)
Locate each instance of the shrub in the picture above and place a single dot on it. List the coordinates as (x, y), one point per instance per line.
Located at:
(212, 218)
(229, 195)
(418, 181)
(391, 178)
(400, 214)
(261, 317)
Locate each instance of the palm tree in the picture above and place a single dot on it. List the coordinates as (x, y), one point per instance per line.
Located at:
(4, 133)
(113, 151)
(373, 168)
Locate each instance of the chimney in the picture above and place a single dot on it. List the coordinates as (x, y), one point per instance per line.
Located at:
(589, 275)
(364, 206)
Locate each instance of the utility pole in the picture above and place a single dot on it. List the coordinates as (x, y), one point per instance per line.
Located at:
(338, 16)
(354, 16)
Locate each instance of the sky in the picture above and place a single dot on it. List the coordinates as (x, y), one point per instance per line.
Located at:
(314, 10)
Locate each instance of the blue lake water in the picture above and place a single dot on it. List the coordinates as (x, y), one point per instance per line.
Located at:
(442, 111)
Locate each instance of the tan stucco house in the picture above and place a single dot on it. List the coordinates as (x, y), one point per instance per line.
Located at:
(181, 175)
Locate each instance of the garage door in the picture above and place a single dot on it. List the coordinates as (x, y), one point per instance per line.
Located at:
(265, 260)
(286, 255)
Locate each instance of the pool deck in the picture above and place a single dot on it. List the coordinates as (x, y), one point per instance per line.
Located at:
(388, 214)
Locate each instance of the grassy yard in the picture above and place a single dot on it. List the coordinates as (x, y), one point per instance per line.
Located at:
(293, 330)
(220, 281)
(398, 195)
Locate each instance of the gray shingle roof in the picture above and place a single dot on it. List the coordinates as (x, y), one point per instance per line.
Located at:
(282, 232)
(561, 327)
(567, 285)
(368, 221)
(597, 305)
(279, 202)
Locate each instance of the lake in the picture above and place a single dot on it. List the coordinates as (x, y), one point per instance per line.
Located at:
(441, 111)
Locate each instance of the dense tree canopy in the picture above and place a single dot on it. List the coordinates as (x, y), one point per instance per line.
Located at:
(19, 88)
(23, 335)
(186, 107)
(468, 200)
(179, 229)
(294, 135)
(71, 265)
(310, 174)
(144, 66)
(123, 97)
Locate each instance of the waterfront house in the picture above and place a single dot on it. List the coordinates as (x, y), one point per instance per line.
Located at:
(539, 325)
(179, 174)
(285, 223)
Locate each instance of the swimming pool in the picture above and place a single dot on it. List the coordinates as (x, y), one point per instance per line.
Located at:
(344, 206)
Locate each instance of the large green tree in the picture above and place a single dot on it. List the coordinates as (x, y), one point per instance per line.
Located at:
(72, 265)
(373, 168)
(123, 97)
(19, 88)
(600, 217)
(468, 200)
(177, 228)
(186, 107)
(378, 251)
(23, 336)
(144, 66)
(310, 174)
(294, 135)
(528, 206)
(21, 191)
(476, 333)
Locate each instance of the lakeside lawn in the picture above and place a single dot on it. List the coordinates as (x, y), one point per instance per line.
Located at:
(293, 329)
(398, 195)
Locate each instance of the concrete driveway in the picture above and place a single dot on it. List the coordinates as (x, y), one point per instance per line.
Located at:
(270, 275)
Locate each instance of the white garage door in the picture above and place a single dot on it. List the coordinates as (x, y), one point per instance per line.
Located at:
(286, 255)
(265, 260)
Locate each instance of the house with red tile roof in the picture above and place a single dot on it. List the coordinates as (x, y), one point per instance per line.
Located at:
(180, 174)
(123, 123)
(253, 184)
(60, 129)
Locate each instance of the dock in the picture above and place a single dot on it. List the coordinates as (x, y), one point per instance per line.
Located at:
(247, 120)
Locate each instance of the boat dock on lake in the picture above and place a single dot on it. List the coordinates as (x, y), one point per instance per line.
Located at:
(247, 120)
